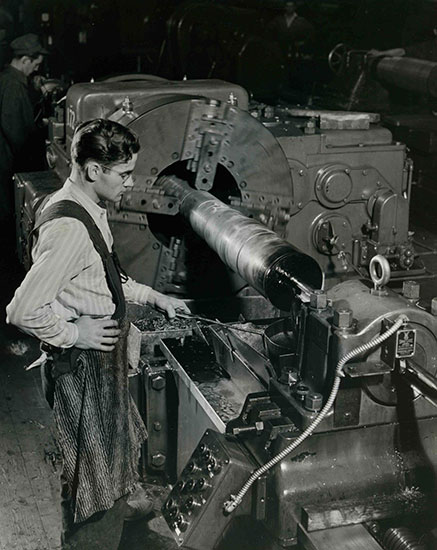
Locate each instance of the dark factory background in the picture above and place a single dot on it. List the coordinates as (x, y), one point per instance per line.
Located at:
(207, 39)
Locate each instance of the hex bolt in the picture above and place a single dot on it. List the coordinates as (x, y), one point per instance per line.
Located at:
(158, 382)
(343, 318)
(157, 426)
(411, 290)
(158, 459)
(318, 299)
(434, 306)
(313, 401)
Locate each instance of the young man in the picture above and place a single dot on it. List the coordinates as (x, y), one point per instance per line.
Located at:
(72, 300)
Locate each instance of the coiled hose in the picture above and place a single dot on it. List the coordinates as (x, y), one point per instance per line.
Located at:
(235, 500)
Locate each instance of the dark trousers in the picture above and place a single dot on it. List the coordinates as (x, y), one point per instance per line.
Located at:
(101, 531)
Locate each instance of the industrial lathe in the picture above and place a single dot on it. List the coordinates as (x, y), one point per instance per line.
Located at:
(333, 184)
(301, 393)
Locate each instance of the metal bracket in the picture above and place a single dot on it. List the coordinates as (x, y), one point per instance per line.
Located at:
(207, 137)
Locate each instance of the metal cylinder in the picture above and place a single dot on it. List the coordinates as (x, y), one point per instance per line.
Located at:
(268, 263)
(415, 75)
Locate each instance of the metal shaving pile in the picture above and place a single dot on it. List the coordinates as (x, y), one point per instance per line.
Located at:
(163, 324)
(226, 409)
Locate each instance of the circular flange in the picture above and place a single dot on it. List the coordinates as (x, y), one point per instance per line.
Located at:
(333, 185)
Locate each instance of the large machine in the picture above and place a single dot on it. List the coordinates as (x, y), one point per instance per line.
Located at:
(342, 429)
(335, 185)
(302, 396)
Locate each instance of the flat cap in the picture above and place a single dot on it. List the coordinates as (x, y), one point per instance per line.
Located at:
(28, 44)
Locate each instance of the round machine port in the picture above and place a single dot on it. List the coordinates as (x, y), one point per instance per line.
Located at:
(171, 503)
(201, 485)
(181, 522)
(213, 465)
(189, 485)
(202, 448)
(192, 503)
(192, 467)
(180, 486)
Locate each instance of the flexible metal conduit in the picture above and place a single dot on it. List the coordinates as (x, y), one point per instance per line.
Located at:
(234, 500)
(401, 538)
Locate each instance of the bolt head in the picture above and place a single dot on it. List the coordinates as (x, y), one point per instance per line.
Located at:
(343, 318)
(318, 299)
(411, 290)
(158, 382)
(158, 459)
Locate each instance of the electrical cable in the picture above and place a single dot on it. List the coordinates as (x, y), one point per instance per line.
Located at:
(235, 500)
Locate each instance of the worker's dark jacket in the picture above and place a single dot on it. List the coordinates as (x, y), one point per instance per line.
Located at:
(18, 149)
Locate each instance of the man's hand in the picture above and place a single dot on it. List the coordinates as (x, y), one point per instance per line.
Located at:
(100, 334)
(168, 304)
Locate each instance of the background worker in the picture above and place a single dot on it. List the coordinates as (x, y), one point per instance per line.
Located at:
(21, 146)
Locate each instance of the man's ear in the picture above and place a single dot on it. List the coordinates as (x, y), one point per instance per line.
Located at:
(92, 171)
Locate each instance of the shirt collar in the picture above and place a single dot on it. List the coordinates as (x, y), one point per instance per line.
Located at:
(21, 77)
(82, 198)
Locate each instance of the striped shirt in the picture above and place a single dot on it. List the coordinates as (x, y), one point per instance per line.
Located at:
(67, 278)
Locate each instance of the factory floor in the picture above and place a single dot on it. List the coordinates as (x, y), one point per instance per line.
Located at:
(29, 458)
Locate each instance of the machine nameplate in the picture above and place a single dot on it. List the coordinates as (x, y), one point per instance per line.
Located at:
(405, 343)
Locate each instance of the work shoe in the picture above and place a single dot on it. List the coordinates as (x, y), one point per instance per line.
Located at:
(139, 504)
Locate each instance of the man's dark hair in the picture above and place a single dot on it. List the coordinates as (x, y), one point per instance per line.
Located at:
(32, 56)
(104, 141)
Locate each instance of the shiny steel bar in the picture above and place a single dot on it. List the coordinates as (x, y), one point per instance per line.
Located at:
(416, 75)
(268, 263)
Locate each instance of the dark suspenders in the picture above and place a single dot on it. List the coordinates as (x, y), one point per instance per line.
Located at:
(71, 209)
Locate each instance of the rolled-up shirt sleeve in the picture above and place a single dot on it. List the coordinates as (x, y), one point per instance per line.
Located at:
(59, 257)
(136, 292)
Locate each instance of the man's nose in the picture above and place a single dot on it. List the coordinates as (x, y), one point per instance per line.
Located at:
(130, 182)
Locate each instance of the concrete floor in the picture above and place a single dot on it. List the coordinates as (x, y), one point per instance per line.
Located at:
(30, 460)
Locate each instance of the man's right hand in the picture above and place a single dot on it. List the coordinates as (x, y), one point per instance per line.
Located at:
(100, 334)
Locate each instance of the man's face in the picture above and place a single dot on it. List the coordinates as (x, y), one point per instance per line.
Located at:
(113, 180)
(30, 65)
(290, 8)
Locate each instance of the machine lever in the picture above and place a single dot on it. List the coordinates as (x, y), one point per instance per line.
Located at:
(212, 322)
(419, 373)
